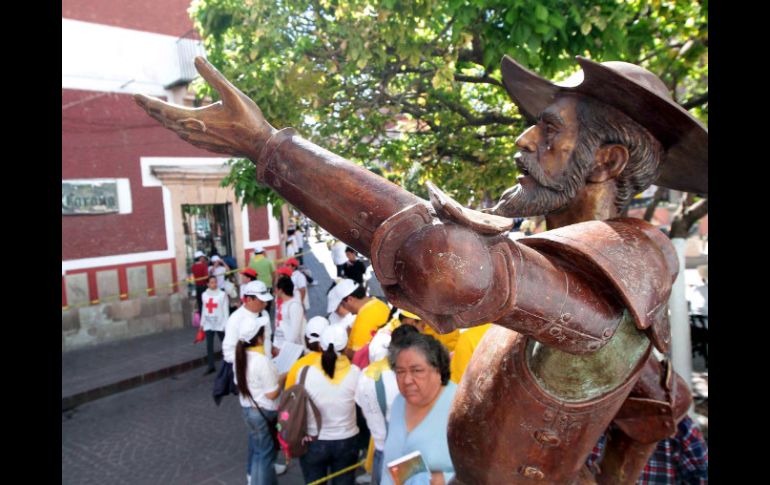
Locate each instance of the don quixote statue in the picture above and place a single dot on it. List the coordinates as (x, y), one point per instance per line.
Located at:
(578, 308)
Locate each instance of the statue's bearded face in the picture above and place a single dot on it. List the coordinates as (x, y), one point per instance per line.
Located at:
(553, 162)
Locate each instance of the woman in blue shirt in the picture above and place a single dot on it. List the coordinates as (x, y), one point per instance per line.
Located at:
(419, 415)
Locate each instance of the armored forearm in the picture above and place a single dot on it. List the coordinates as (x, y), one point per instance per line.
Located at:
(347, 200)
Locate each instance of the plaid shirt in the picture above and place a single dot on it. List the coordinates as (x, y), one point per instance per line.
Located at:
(682, 459)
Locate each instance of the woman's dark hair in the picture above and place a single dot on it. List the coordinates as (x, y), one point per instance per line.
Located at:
(398, 335)
(434, 352)
(315, 346)
(359, 292)
(350, 250)
(285, 284)
(329, 360)
(210, 278)
(241, 361)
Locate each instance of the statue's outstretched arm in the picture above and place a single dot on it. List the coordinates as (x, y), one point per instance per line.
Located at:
(234, 125)
(350, 201)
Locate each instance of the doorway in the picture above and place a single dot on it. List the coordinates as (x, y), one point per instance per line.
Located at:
(207, 228)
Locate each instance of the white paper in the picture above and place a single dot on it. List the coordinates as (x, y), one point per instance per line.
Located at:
(289, 354)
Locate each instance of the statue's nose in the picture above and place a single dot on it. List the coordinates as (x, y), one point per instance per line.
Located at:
(528, 140)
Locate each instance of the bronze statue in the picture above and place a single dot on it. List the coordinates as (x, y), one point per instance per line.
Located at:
(577, 308)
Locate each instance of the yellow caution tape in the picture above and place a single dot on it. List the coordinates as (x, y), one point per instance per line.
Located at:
(149, 290)
(338, 473)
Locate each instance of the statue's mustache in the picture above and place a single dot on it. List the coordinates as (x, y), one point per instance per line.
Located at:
(529, 165)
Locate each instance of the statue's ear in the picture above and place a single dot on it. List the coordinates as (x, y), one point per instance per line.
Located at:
(609, 160)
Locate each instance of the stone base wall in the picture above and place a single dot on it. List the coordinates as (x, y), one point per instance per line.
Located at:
(108, 322)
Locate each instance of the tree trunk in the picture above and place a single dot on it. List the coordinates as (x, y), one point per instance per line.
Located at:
(650, 211)
(686, 215)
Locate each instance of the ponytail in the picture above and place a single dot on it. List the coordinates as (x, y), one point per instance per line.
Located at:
(329, 360)
(241, 361)
(240, 369)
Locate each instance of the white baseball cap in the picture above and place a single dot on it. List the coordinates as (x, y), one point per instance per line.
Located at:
(250, 326)
(198, 254)
(314, 329)
(342, 289)
(258, 289)
(258, 249)
(215, 258)
(336, 336)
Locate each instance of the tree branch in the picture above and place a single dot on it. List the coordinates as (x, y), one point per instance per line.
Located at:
(485, 79)
(650, 211)
(696, 101)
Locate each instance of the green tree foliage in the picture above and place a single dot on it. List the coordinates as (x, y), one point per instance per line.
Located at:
(414, 86)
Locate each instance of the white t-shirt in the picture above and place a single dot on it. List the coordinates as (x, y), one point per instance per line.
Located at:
(347, 320)
(291, 326)
(366, 397)
(219, 272)
(338, 253)
(300, 281)
(335, 402)
(262, 378)
(231, 332)
(299, 241)
(216, 310)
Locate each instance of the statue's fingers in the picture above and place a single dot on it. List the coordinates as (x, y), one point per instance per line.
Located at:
(230, 94)
(161, 110)
(207, 142)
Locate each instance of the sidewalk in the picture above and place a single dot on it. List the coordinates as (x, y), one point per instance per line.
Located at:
(96, 372)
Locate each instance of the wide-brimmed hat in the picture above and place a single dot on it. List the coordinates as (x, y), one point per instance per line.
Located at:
(637, 93)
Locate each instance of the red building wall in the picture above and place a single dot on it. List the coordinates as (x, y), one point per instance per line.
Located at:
(258, 224)
(165, 17)
(104, 137)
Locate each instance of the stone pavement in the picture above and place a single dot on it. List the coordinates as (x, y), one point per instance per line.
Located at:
(168, 432)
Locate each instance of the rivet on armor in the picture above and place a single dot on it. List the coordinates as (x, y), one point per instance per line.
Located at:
(548, 415)
(363, 215)
(547, 437)
(566, 317)
(554, 331)
(593, 346)
(607, 333)
(354, 233)
(532, 472)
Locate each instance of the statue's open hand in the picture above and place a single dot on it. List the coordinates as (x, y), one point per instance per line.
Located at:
(234, 125)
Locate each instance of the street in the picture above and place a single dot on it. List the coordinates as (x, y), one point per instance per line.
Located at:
(170, 431)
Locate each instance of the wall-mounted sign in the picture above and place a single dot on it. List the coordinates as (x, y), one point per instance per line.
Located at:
(83, 197)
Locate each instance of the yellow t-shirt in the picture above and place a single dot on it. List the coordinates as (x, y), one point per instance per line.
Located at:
(371, 316)
(309, 359)
(448, 339)
(466, 344)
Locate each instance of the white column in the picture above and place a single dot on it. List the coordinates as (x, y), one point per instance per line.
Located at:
(681, 349)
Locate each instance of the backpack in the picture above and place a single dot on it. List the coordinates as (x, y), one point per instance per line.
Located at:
(308, 274)
(292, 419)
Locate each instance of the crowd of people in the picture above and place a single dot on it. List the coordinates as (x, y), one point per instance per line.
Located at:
(382, 380)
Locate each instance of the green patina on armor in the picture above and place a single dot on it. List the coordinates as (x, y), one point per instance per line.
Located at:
(576, 378)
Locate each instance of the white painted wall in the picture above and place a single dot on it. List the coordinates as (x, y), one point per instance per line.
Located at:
(99, 57)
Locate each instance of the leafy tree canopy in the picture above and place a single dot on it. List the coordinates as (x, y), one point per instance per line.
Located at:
(413, 87)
